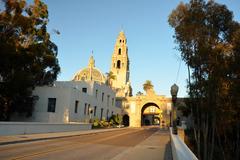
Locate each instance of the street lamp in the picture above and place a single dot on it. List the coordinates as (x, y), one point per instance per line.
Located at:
(174, 91)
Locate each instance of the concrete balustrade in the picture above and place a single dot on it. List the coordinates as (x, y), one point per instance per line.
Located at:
(180, 150)
(14, 128)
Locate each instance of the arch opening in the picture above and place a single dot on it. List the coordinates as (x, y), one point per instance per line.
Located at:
(150, 115)
(119, 51)
(125, 120)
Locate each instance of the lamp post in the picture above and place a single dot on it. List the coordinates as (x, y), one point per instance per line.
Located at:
(174, 91)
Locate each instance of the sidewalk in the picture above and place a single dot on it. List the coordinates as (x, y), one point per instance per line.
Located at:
(155, 147)
(4, 140)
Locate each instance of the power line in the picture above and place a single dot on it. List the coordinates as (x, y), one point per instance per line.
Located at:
(179, 66)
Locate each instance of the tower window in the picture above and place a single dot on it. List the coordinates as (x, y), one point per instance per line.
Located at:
(123, 41)
(120, 41)
(119, 51)
(119, 64)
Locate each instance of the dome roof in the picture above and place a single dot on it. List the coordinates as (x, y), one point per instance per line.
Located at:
(90, 73)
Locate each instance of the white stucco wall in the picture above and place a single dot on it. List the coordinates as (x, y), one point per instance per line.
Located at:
(66, 94)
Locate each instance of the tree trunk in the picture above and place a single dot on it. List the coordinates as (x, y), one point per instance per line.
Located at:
(205, 138)
(238, 142)
(220, 144)
(212, 139)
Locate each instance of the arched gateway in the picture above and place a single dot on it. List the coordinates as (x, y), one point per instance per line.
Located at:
(149, 109)
(151, 114)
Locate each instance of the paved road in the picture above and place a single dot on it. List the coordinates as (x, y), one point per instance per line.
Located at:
(120, 144)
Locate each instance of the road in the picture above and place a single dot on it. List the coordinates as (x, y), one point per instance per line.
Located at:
(119, 144)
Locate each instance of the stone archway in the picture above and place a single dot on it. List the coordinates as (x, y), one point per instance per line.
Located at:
(134, 107)
(150, 114)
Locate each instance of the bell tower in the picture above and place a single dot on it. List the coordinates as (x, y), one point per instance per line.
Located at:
(120, 67)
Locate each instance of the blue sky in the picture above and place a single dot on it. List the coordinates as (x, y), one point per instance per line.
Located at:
(87, 25)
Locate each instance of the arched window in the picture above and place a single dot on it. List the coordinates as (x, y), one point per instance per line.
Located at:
(119, 51)
(120, 41)
(119, 64)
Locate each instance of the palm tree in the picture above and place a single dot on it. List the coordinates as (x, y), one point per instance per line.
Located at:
(110, 78)
(147, 85)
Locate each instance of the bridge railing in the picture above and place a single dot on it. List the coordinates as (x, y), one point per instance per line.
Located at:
(180, 150)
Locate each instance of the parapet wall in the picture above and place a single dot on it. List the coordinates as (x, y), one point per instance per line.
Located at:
(180, 150)
(14, 128)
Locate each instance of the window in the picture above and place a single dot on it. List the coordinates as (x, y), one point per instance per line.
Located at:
(102, 97)
(118, 103)
(88, 109)
(76, 107)
(51, 104)
(119, 64)
(84, 90)
(101, 113)
(95, 109)
(96, 93)
(108, 97)
(120, 41)
(112, 101)
(85, 109)
(119, 51)
(114, 65)
(107, 113)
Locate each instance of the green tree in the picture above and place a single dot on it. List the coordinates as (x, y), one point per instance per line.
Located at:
(147, 85)
(208, 40)
(28, 56)
(110, 78)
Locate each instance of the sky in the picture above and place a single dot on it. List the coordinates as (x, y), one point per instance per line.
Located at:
(93, 25)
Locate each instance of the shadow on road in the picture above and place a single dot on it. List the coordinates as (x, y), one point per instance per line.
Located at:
(168, 152)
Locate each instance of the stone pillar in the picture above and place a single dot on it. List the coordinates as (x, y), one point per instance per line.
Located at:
(135, 118)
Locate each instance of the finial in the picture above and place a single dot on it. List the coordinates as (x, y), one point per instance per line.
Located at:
(91, 63)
